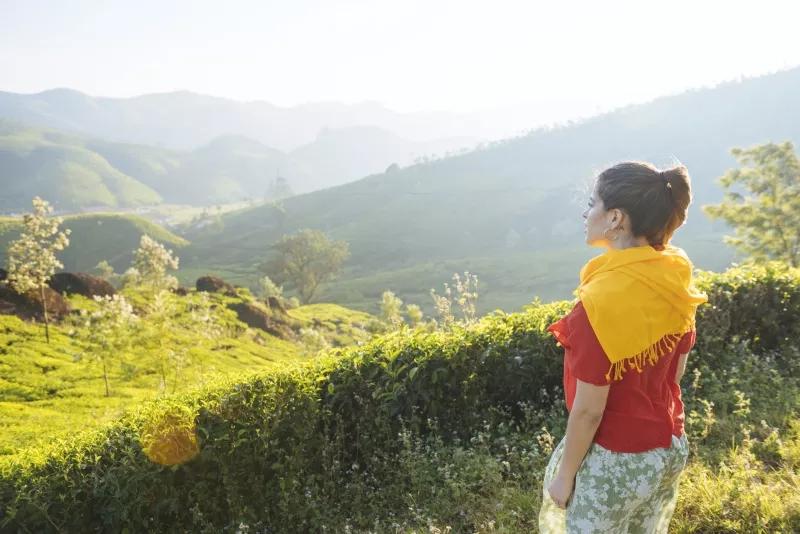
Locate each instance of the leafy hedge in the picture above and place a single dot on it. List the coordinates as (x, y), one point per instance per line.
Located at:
(273, 452)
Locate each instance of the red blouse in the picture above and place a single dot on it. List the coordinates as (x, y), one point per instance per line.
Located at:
(644, 410)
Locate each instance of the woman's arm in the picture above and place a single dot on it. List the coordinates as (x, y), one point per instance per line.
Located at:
(584, 418)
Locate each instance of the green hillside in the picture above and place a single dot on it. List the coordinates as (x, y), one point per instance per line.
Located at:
(227, 169)
(509, 209)
(75, 172)
(62, 169)
(98, 236)
(54, 390)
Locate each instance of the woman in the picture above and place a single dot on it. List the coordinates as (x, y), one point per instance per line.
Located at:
(626, 341)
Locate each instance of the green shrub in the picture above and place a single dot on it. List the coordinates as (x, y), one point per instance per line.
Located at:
(324, 445)
(753, 304)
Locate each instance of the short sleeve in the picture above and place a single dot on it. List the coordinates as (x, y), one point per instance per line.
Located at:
(560, 330)
(687, 342)
(585, 357)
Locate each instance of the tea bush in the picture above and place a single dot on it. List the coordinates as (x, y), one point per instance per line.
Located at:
(417, 429)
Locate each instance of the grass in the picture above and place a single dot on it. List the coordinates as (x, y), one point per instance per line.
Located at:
(52, 390)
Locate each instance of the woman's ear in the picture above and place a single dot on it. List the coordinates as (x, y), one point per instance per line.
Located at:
(614, 215)
(620, 216)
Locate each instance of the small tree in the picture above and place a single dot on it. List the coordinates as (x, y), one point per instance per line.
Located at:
(306, 260)
(766, 222)
(32, 257)
(207, 324)
(414, 314)
(110, 330)
(160, 325)
(106, 271)
(391, 307)
(130, 277)
(267, 288)
(151, 261)
(312, 341)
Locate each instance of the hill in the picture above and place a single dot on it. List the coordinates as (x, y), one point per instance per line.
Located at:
(63, 169)
(77, 172)
(511, 212)
(95, 237)
(184, 120)
(52, 390)
(227, 169)
(341, 155)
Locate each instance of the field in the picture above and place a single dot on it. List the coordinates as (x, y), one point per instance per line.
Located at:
(53, 390)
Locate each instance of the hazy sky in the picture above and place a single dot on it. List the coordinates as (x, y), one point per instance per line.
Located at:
(559, 57)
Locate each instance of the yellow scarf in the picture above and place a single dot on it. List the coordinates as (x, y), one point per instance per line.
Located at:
(640, 301)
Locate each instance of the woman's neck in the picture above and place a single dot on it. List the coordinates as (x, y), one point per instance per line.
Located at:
(628, 242)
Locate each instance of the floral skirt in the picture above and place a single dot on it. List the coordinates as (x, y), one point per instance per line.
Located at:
(617, 492)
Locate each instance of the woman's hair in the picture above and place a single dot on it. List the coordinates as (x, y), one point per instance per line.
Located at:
(656, 201)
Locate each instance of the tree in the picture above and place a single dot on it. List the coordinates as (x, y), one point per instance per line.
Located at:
(151, 261)
(414, 314)
(279, 189)
(267, 288)
(110, 330)
(391, 306)
(306, 260)
(312, 341)
(158, 334)
(207, 324)
(106, 271)
(32, 258)
(767, 221)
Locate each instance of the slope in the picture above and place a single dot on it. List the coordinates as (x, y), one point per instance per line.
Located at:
(61, 168)
(95, 237)
(513, 209)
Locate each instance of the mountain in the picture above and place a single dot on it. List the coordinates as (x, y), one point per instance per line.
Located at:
(227, 169)
(75, 171)
(511, 212)
(342, 155)
(184, 120)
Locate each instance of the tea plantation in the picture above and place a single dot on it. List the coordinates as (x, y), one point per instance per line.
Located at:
(414, 431)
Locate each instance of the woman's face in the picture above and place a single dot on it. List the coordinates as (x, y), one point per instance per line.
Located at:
(597, 220)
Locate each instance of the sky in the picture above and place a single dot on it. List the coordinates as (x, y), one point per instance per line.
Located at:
(555, 58)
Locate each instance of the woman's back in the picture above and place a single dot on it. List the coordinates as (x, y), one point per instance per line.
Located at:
(644, 409)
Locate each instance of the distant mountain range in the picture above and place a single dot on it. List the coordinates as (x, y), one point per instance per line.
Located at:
(512, 212)
(185, 121)
(75, 171)
(509, 211)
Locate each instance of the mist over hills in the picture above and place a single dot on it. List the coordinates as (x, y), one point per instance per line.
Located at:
(76, 172)
(509, 211)
(184, 120)
(512, 212)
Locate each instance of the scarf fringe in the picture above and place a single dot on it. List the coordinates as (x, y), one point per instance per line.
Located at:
(650, 356)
